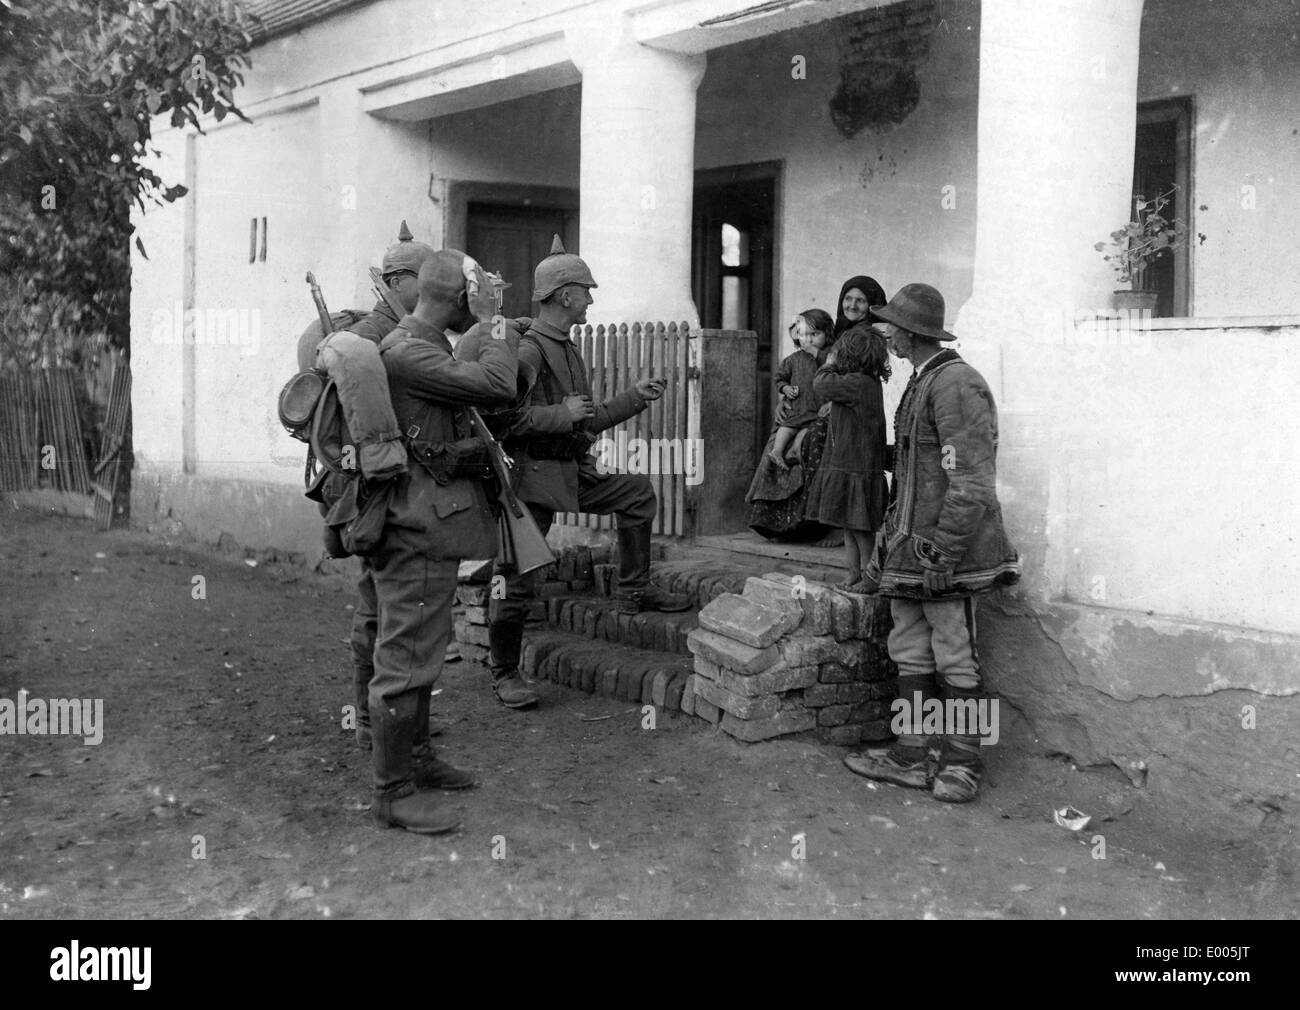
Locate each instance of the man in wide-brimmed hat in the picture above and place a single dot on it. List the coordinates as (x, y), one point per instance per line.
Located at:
(942, 543)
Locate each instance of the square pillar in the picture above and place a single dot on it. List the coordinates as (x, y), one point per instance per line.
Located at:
(637, 176)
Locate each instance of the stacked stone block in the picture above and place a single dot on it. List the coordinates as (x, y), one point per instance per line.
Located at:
(572, 573)
(789, 656)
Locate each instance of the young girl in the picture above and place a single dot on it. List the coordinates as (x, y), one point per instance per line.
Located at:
(794, 379)
(849, 490)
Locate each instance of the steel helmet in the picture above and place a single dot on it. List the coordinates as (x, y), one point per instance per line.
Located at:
(558, 269)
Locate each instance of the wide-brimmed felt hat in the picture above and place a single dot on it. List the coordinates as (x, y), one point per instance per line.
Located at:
(917, 308)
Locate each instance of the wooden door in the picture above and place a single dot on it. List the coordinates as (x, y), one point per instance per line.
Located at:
(512, 240)
(732, 240)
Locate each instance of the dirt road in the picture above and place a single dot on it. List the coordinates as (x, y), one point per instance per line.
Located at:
(222, 740)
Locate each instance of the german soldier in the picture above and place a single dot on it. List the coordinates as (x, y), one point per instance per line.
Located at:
(400, 269)
(437, 515)
(550, 440)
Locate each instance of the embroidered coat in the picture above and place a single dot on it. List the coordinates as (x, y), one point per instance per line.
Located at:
(945, 512)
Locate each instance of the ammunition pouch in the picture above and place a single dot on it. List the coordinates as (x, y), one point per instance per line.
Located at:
(354, 510)
(446, 461)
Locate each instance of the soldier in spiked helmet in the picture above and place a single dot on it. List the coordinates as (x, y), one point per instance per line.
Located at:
(550, 440)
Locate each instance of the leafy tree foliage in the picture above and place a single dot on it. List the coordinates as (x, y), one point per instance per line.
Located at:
(80, 84)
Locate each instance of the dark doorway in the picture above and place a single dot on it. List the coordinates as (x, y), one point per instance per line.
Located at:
(512, 241)
(508, 228)
(732, 239)
(1162, 162)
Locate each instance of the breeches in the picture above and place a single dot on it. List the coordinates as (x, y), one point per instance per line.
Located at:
(414, 598)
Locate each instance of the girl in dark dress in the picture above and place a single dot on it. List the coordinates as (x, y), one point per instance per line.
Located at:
(849, 489)
(812, 331)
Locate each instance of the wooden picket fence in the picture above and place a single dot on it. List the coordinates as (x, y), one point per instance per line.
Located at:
(616, 356)
(41, 443)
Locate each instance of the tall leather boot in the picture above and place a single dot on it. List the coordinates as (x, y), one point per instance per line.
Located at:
(397, 803)
(635, 590)
(429, 772)
(361, 674)
(505, 641)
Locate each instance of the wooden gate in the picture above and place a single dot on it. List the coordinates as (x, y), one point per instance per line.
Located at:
(659, 441)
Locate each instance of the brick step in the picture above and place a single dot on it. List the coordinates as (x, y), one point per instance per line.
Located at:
(616, 671)
(588, 608)
(596, 617)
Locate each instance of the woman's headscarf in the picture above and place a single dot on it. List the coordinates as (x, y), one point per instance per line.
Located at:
(875, 298)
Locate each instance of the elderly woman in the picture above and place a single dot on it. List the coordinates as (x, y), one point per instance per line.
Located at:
(857, 297)
(777, 496)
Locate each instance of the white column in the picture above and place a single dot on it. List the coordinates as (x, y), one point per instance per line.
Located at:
(637, 173)
(1057, 115)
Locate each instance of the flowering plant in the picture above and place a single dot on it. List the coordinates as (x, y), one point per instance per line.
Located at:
(1143, 240)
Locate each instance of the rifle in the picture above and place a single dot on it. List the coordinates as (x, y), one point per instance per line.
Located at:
(326, 327)
(522, 543)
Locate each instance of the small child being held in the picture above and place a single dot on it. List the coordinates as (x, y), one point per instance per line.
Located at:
(812, 332)
(849, 489)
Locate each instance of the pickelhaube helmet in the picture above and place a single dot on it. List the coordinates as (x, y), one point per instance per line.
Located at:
(558, 269)
(405, 254)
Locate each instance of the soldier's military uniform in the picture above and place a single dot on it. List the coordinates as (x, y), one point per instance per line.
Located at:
(556, 473)
(436, 517)
(404, 255)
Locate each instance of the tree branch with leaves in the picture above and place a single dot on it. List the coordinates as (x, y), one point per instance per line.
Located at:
(80, 86)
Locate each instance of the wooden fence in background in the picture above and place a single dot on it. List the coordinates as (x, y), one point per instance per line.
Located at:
(41, 437)
(617, 356)
(63, 428)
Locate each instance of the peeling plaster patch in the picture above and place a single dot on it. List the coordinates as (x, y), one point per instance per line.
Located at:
(1131, 656)
(878, 86)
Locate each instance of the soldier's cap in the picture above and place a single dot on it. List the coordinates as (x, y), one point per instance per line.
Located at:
(558, 269)
(444, 273)
(405, 254)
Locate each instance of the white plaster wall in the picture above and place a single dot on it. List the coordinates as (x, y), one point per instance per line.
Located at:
(270, 169)
(156, 315)
(1178, 497)
(533, 140)
(1241, 64)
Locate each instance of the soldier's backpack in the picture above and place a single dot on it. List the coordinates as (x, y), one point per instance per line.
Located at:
(349, 479)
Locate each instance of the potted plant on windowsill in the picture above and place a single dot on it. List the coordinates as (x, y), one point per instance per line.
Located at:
(1140, 243)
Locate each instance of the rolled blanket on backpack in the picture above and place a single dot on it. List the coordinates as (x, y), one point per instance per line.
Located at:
(354, 364)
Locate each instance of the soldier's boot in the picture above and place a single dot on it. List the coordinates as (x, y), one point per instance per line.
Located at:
(361, 674)
(635, 590)
(397, 803)
(961, 769)
(361, 686)
(505, 641)
(427, 770)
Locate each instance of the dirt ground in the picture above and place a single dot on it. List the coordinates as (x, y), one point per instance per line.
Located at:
(222, 720)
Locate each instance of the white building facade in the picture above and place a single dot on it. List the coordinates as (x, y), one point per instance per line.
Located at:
(984, 148)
